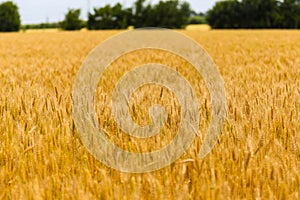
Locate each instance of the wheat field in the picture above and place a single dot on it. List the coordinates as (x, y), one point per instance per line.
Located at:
(256, 157)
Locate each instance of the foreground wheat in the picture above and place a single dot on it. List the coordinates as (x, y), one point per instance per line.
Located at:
(258, 155)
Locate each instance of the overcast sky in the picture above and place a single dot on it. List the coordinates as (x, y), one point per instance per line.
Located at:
(37, 11)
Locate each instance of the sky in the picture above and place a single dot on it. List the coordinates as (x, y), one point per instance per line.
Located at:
(38, 11)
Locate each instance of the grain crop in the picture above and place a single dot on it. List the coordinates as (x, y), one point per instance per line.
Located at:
(256, 157)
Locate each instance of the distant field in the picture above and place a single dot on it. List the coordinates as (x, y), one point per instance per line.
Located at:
(257, 156)
(41, 30)
(198, 27)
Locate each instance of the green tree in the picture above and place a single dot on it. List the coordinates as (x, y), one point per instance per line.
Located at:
(170, 14)
(196, 19)
(259, 14)
(108, 17)
(246, 14)
(142, 16)
(9, 17)
(290, 14)
(72, 20)
(225, 14)
(185, 12)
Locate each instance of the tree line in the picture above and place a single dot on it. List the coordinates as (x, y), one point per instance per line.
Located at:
(169, 14)
(255, 14)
